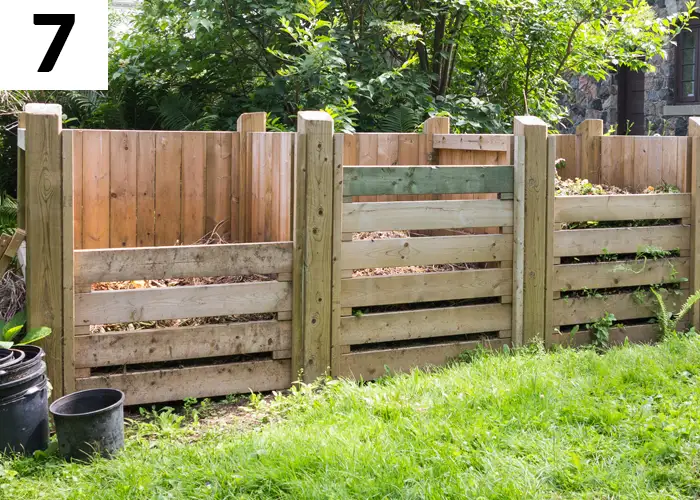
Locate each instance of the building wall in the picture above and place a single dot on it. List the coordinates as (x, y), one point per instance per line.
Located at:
(591, 99)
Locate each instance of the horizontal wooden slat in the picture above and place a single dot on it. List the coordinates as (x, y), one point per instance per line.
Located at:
(425, 323)
(368, 365)
(619, 274)
(125, 264)
(634, 333)
(170, 344)
(403, 289)
(474, 142)
(619, 240)
(158, 386)
(181, 302)
(405, 215)
(624, 306)
(426, 179)
(621, 207)
(394, 252)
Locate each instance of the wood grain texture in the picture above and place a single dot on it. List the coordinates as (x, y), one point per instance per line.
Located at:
(194, 193)
(694, 184)
(518, 239)
(157, 386)
(247, 122)
(386, 180)
(152, 304)
(407, 215)
(168, 201)
(76, 158)
(96, 173)
(337, 251)
(427, 287)
(218, 208)
(620, 274)
(146, 194)
(424, 323)
(45, 224)
(473, 142)
(179, 343)
(635, 334)
(621, 207)
(122, 188)
(369, 365)
(68, 320)
(126, 264)
(619, 240)
(395, 252)
(588, 144)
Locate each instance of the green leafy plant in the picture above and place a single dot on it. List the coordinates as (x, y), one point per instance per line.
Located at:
(600, 330)
(12, 332)
(8, 214)
(668, 321)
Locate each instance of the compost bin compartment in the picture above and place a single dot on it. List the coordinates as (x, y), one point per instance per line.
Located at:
(24, 412)
(89, 422)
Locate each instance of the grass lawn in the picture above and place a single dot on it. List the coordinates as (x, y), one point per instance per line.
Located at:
(566, 424)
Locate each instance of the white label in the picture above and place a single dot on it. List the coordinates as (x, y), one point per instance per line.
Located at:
(54, 44)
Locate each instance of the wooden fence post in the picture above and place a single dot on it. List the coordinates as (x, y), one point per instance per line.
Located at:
(21, 176)
(588, 135)
(432, 126)
(241, 223)
(694, 182)
(534, 185)
(46, 203)
(313, 245)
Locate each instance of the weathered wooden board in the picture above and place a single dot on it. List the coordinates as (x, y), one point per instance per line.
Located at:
(624, 306)
(125, 264)
(122, 188)
(181, 302)
(634, 333)
(176, 384)
(394, 252)
(171, 344)
(369, 365)
(407, 215)
(389, 180)
(402, 289)
(621, 207)
(619, 274)
(581, 242)
(424, 323)
(474, 142)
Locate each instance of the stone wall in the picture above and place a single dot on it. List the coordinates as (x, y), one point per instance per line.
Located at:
(592, 99)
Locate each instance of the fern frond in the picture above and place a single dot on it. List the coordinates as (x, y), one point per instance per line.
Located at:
(401, 119)
(686, 307)
(662, 314)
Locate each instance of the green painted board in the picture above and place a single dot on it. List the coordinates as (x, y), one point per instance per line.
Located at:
(370, 181)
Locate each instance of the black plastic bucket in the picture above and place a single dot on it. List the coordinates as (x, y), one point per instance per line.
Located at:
(24, 418)
(89, 422)
(30, 363)
(6, 356)
(17, 358)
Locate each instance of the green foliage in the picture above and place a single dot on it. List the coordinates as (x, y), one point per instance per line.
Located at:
(11, 332)
(668, 321)
(8, 214)
(600, 329)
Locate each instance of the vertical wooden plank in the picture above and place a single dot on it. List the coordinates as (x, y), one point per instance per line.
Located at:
(535, 226)
(218, 182)
(685, 165)
(628, 144)
(430, 155)
(654, 161)
(299, 232)
(641, 150)
(607, 168)
(235, 172)
(518, 238)
(45, 224)
(70, 139)
(694, 134)
(367, 154)
(96, 189)
(285, 186)
(412, 151)
(387, 154)
(337, 231)
(247, 122)
(194, 157)
(311, 316)
(669, 160)
(549, 234)
(122, 189)
(272, 193)
(77, 160)
(146, 193)
(588, 136)
(168, 181)
(21, 177)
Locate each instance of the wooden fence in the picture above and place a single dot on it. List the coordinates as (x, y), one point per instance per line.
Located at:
(393, 261)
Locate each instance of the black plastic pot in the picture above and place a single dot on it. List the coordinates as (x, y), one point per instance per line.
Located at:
(6, 356)
(31, 362)
(24, 417)
(17, 358)
(89, 422)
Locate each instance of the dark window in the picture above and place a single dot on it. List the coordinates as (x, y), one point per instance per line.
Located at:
(687, 81)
